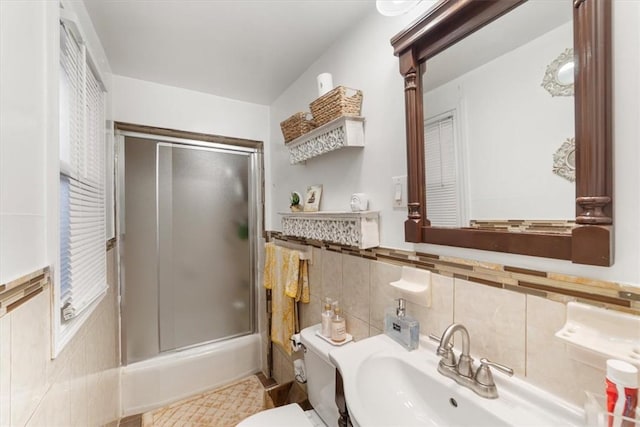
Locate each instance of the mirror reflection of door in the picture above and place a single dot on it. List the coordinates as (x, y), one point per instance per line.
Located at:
(509, 125)
(446, 186)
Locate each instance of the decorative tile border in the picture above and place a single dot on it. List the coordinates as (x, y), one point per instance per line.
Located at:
(557, 226)
(553, 286)
(15, 293)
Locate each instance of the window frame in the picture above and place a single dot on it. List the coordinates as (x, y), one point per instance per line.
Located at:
(64, 331)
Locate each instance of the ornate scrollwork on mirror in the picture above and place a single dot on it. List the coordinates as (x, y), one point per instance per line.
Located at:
(590, 241)
(558, 78)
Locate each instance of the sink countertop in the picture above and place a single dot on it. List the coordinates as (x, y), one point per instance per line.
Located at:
(385, 384)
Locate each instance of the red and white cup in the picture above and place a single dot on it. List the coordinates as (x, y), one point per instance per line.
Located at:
(622, 393)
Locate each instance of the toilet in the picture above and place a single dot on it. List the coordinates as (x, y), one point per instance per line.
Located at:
(321, 385)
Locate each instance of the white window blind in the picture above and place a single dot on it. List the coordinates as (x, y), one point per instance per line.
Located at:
(440, 162)
(82, 180)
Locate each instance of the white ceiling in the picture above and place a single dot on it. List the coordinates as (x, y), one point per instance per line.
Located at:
(250, 50)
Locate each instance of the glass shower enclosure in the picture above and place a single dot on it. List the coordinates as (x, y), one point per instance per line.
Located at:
(188, 235)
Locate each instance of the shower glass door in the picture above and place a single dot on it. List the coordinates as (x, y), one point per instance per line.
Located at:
(204, 249)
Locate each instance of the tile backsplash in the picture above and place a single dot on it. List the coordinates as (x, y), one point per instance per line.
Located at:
(82, 385)
(509, 321)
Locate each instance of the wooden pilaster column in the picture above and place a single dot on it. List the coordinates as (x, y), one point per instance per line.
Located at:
(591, 239)
(410, 69)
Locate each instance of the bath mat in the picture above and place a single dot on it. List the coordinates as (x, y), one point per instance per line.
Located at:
(223, 407)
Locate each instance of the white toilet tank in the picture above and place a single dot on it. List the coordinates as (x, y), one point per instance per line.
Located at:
(321, 375)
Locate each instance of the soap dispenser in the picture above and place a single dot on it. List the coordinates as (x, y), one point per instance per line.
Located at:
(327, 316)
(338, 325)
(401, 327)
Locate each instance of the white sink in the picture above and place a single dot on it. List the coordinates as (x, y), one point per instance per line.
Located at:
(385, 385)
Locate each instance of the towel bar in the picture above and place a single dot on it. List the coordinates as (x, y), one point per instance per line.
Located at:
(306, 251)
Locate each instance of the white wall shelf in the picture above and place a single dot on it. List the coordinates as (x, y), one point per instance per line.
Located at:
(359, 229)
(340, 133)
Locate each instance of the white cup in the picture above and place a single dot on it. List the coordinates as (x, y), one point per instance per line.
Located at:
(359, 202)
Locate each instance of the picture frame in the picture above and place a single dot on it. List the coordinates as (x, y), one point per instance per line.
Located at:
(312, 198)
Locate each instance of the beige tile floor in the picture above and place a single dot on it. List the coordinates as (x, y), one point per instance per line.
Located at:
(223, 407)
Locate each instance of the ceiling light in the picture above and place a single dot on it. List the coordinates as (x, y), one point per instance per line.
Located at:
(395, 7)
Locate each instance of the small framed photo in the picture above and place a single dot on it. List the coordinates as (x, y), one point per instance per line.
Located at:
(312, 199)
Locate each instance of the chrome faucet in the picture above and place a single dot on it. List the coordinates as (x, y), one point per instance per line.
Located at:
(464, 367)
(462, 371)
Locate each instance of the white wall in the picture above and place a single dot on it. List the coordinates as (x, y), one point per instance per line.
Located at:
(23, 136)
(151, 104)
(363, 59)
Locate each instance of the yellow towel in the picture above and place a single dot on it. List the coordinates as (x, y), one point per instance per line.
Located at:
(298, 287)
(288, 280)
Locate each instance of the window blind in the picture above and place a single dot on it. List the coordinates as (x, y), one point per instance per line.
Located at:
(82, 205)
(440, 162)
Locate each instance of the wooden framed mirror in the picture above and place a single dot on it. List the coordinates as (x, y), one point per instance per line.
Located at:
(589, 240)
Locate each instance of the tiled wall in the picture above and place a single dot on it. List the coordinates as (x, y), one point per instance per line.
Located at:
(81, 386)
(506, 324)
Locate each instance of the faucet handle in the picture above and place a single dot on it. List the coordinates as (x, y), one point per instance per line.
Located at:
(502, 368)
(448, 358)
(483, 374)
(437, 339)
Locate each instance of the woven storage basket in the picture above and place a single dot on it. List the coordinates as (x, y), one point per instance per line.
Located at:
(336, 103)
(296, 126)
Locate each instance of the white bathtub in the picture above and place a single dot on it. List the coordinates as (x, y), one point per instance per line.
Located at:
(169, 377)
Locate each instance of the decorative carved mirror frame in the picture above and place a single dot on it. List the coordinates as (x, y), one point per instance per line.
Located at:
(551, 81)
(590, 242)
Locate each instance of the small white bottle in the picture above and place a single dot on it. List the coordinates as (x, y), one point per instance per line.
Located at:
(338, 325)
(326, 315)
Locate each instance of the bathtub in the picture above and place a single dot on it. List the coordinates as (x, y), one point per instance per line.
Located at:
(169, 377)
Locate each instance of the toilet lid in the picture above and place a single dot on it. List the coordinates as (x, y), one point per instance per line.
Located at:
(290, 415)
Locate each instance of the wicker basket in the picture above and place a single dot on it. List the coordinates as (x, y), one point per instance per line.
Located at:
(336, 103)
(296, 126)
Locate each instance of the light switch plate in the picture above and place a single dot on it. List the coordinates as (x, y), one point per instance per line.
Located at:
(399, 191)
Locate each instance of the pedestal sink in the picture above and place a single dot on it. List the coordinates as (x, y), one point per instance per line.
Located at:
(385, 385)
